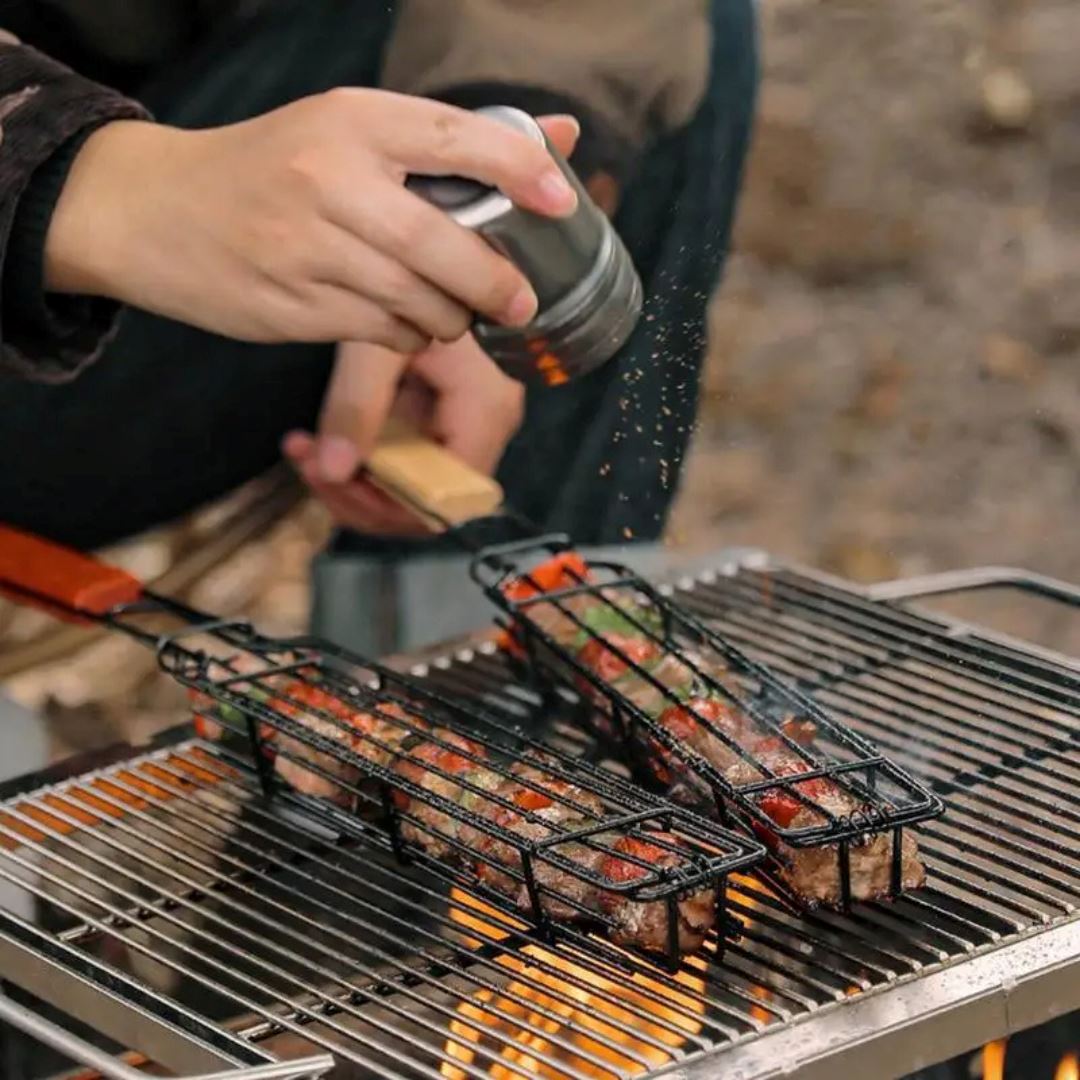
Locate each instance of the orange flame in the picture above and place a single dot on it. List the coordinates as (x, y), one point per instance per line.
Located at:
(99, 809)
(993, 1060)
(1068, 1067)
(762, 993)
(591, 1013)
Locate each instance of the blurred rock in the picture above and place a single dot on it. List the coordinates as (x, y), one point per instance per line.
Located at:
(831, 245)
(880, 394)
(1050, 32)
(731, 320)
(1006, 100)
(770, 399)
(1010, 360)
(1056, 416)
(787, 160)
(859, 560)
(734, 480)
(1063, 308)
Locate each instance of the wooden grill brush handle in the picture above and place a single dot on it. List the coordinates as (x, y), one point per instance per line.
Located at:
(428, 479)
(33, 569)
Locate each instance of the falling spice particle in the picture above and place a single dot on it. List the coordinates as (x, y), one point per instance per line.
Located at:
(628, 532)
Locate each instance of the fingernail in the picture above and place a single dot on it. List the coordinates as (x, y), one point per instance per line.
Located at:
(521, 309)
(557, 192)
(337, 458)
(565, 118)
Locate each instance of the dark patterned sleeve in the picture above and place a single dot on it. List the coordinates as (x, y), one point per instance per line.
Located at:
(46, 113)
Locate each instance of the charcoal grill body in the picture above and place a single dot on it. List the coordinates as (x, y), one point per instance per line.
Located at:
(991, 947)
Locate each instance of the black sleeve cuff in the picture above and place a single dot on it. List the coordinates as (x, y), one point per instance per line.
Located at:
(52, 316)
(599, 150)
(48, 112)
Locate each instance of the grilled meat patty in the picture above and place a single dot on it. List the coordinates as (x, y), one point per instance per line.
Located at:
(696, 912)
(631, 661)
(483, 807)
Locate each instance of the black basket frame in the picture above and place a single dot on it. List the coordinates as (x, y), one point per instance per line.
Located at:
(242, 703)
(860, 776)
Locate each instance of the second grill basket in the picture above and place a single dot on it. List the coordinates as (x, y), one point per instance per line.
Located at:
(709, 723)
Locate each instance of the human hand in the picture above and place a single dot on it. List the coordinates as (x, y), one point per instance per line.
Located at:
(454, 393)
(296, 226)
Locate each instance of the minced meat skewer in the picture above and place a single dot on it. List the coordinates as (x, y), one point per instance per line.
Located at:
(696, 913)
(527, 800)
(812, 873)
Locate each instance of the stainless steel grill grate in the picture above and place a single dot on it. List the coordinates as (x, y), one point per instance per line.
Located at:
(242, 923)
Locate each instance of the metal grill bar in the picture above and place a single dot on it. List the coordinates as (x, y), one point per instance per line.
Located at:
(354, 880)
(231, 883)
(295, 918)
(362, 877)
(301, 945)
(769, 955)
(165, 901)
(84, 1053)
(870, 635)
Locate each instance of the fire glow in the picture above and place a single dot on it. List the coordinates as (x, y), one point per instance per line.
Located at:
(584, 1010)
(1068, 1068)
(993, 1063)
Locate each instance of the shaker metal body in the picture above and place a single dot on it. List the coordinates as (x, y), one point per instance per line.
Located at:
(589, 292)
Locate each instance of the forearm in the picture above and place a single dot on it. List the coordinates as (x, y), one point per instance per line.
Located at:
(46, 114)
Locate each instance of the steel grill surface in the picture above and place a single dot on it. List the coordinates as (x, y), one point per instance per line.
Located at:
(289, 926)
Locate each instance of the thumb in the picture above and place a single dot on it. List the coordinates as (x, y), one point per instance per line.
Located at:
(358, 399)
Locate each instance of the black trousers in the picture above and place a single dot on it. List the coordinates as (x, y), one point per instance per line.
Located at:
(173, 417)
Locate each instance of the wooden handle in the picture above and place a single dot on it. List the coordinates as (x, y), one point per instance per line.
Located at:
(430, 480)
(67, 579)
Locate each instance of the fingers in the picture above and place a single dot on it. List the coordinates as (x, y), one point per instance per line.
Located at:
(440, 140)
(430, 244)
(314, 458)
(454, 392)
(356, 505)
(357, 402)
(477, 407)
(419, 244)
(393, 287)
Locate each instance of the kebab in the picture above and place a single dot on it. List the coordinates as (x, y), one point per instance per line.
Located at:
(468, 807)
(616, 636)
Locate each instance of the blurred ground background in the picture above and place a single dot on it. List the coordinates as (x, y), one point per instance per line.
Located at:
(894, 381)
(894, 378)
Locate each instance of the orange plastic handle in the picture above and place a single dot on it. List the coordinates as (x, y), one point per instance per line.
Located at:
(63, 577)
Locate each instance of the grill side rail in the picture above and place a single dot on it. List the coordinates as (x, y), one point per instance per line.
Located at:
(82, 1053)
